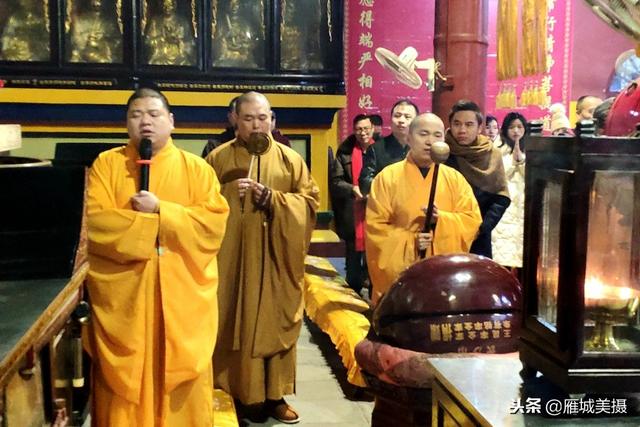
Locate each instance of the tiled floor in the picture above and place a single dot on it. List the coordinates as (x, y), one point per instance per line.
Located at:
(323, 395)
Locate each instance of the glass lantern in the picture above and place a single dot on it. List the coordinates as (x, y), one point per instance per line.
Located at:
(581, 275)
(612, 285)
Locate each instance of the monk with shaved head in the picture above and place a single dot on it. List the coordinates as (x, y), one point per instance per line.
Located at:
(397, 203)
(273, 201)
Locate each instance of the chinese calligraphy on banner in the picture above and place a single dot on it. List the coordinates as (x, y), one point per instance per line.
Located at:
(370, 25)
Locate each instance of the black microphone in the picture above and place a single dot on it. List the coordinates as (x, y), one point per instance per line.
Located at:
(145, 161)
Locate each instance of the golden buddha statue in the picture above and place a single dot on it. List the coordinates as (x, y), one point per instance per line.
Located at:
(235, 40)
(300, 35)
(26, 34)
(93, 38)
(169, 39)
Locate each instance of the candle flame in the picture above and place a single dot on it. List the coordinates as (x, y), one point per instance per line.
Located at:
(594, 288)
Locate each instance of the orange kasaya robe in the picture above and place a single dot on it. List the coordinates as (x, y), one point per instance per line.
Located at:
(395, 217)
(152, 286)
(262, 272)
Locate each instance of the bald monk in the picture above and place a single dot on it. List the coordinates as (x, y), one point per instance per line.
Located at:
(261, 264)
(586, 105)
(153, 278)
(397, 203)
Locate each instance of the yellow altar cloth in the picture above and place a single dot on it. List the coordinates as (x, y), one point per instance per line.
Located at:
(224, 411)
(337, 310)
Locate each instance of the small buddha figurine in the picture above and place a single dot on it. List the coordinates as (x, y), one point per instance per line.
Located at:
(300, 34)
(26, 36)
(236, 40)
(93, 38)
(169, 39)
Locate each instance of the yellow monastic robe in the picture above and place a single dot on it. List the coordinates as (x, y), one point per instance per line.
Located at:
(152, 286)
(261, 266)
(395, 216)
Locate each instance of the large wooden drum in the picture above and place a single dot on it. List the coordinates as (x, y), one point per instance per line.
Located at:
(452, 304)
(444, 306)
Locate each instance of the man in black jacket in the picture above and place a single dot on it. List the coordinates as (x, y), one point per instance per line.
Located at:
(393, 147)
(349, 204)
(475, 157)
(227, 135)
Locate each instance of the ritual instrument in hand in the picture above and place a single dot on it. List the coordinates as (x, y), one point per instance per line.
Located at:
(439, 154)
(257, 145)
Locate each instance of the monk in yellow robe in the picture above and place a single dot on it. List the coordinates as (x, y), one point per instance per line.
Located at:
(261, 263)
(153, 278)
(396, 209)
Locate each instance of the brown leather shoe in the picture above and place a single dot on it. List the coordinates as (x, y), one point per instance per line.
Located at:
(281, 411)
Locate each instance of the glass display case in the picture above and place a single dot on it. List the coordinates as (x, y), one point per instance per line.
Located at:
(612, 283)
(169, 32)
(93, 31)
(582, 263)
(238, 34)
(548, 261)
(305, 32)
(234, 45)
(25, 31)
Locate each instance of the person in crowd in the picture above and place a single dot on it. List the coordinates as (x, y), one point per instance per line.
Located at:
(153, 277)
(474, 156)
(600, 115)
(273, 201)
(397, 203)
(227, 135)
(277, 135)
(586, 105)
(492, 130)
(348, 202)
(560, 125)
(392, 148)
(508, 236)
(377, 122)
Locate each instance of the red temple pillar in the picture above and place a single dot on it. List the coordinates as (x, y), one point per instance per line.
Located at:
(460, 45)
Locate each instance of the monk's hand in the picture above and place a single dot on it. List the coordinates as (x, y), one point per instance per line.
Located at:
(261, 196)
(144, 201)
(423, 240)
(243, 185)
(357, 193)
(434, 215)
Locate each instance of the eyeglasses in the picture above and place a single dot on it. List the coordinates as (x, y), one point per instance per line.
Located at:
(363, 130)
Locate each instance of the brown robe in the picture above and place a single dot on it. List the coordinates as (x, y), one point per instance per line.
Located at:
(261, 266)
